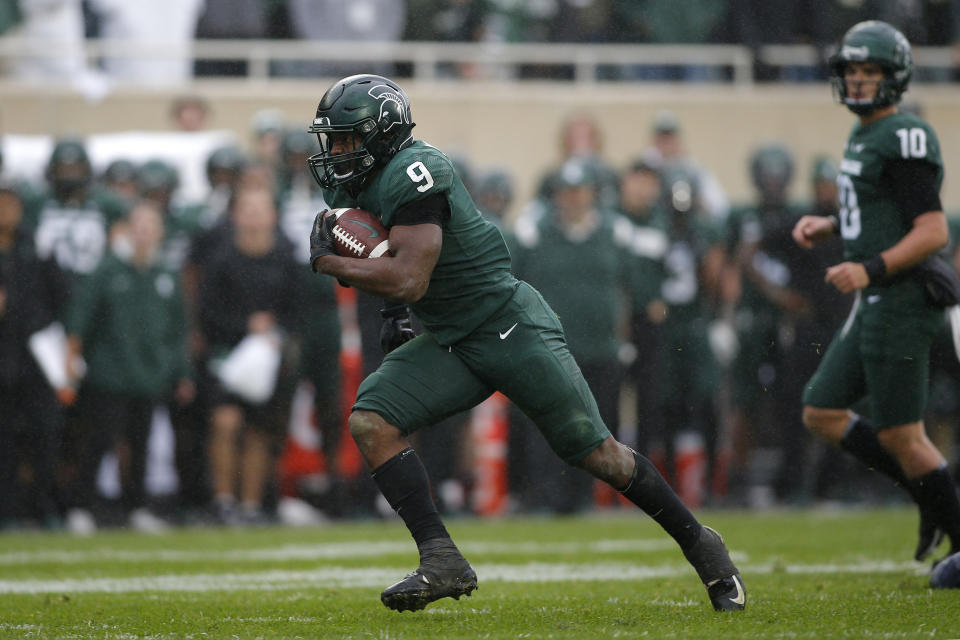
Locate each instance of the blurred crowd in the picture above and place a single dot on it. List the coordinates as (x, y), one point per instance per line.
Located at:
(176, 24)
(126, 309)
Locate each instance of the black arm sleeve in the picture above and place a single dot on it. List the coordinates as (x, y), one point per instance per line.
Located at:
(913, 184)
(433, 209)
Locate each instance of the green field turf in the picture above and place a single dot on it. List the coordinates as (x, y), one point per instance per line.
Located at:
(839, 574)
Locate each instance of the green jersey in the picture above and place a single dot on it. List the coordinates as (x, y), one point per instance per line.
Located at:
(181, 225)
(569, 269)
(883, 349)
(76, 236)
(689, 239)
(869, 220)
(133, 327)
(648, 247)
(472, 278)
(763, 235)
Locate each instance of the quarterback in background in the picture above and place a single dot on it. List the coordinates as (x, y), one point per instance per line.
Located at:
(892, 225)
(486, 331)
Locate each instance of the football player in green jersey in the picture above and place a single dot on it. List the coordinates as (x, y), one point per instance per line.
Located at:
(892, 224)
(486, 331)
(74, 220)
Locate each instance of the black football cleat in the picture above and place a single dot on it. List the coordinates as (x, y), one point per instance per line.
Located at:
(931, 535)
(727, 594)
(442, 574)
(946, 573)
(420, 588)
(709, 556)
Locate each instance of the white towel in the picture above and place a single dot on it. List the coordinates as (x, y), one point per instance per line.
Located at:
(251, 369)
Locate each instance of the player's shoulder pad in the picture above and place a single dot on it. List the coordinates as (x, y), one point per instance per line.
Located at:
(909, 137)
(623, 229)
(416, 172)
(649, 242)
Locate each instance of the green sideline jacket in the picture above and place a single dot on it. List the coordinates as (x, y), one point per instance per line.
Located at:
(133, 327)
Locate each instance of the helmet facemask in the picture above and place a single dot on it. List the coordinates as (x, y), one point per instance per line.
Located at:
(332, 170)
(887, 92)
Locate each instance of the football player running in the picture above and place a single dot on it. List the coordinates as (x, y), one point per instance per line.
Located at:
(892, 224)
(486, 331)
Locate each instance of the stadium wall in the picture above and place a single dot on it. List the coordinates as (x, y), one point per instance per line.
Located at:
(516, 126)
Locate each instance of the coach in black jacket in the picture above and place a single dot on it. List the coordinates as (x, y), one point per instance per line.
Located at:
(31, 291)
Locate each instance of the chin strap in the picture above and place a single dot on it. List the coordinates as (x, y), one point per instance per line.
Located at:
(406, 143)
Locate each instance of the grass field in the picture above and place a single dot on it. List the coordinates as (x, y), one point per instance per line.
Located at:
(843, 574)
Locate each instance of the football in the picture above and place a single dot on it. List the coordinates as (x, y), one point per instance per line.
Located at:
(359, 234)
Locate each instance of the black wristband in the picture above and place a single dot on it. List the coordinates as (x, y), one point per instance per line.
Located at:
(876, 269)
(836, 223)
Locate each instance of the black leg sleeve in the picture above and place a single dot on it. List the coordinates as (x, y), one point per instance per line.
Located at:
(649, 491)
(403, 481)
(862, 443)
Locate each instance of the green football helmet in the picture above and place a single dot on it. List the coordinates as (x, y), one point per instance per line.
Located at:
(823, 169)
(377, 111)
(297, 142)
(120, 170)
(771, 168)
(225, 164)
(157, 175)
(498, 183)
(878, 42)
(69, 170)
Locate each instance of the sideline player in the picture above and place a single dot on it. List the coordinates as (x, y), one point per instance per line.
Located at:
(892, 224)
(486, 331)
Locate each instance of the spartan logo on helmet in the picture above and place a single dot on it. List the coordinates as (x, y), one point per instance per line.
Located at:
(855, 53)
(394, 109)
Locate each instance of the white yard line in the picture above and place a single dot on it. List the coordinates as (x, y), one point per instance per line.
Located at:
(322, 551)
(350, 577)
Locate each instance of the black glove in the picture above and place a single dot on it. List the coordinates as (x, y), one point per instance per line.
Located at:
(321, 238)
(396, 328)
